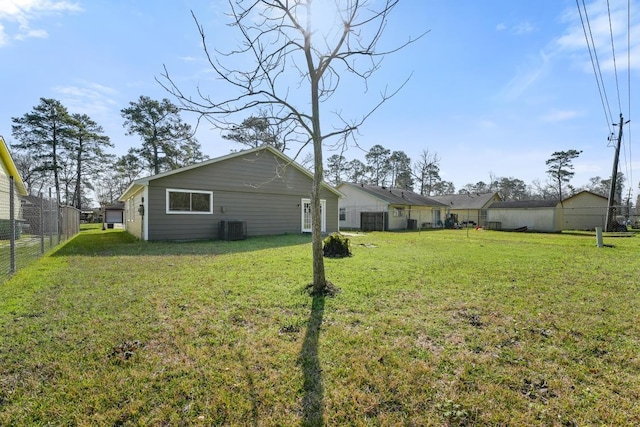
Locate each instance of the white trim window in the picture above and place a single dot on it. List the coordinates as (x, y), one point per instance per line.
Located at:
(189, 201)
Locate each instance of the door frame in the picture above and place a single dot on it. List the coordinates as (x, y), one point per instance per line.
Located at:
(305, 215)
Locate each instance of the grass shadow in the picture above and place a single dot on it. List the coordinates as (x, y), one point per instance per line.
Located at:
(121, 243)
(312, 400)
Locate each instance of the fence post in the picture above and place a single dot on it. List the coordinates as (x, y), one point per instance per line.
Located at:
(59, 222)
(50, 227)
(12, 225)
(41, 212)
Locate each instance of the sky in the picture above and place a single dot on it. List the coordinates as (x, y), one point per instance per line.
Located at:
(494, 87)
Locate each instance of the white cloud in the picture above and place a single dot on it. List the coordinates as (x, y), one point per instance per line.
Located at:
(20, 14)
(523, 28)
(526, 76)
(3, 37)
(32, 34)
(603, 24)
(560, 116)
(88, 98)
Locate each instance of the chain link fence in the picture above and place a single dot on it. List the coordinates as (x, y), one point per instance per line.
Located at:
(30, 226)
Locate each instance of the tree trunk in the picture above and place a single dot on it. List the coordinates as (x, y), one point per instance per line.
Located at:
(319, 279)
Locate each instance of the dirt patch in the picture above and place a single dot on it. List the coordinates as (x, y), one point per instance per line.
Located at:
(125, 351)
(329, 290)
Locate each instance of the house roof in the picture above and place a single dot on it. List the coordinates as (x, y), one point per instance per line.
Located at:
(6, 158)
(466, 201)
(525, 204)
(114, 207)
(546, 203)
(586, 192)
(136, 185)
(394, 196)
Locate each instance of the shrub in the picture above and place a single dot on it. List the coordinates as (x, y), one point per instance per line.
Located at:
(336, 246)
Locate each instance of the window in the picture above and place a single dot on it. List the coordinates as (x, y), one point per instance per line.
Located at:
(398, 212)
(343, 214)
(187, 201)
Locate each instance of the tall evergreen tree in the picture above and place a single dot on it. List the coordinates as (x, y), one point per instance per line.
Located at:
(400, 169)
(87, 149)
(162, 131)
(255, 131)
(356, 171)
(336, 169)
(378, 163)
(46, 132)
(560, 170)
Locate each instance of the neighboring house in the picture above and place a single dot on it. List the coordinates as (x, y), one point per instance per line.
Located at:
(375, 208)
(11, 188)
(259, 191)
(582, 211)
(468, 208)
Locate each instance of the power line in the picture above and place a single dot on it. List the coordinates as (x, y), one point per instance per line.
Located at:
(596, 65)
(613, 51)
(629, 87)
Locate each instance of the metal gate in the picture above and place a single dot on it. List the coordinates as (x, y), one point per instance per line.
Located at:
(373, 221)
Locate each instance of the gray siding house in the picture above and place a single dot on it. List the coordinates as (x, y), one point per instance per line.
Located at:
(261, 188)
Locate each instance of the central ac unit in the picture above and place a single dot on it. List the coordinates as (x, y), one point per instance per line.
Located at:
(232, 230)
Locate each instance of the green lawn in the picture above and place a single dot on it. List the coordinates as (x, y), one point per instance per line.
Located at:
(433, 328)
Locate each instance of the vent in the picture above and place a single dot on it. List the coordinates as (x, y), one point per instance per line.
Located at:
(232, 230)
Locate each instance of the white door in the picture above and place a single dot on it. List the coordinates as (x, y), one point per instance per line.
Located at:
(305, 206)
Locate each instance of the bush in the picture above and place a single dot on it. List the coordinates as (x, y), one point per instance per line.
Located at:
(336, 246)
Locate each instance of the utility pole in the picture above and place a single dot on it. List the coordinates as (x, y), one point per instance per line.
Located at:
(611, 223)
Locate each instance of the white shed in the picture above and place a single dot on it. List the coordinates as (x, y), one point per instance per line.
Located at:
(536, 215)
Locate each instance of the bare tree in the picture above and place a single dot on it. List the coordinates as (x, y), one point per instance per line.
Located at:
(427, 171)
(297, 65)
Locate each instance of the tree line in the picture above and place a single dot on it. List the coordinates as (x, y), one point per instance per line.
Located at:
(67, 152)
(383, 167)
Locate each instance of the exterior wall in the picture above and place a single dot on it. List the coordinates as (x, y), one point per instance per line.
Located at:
(5, 194)
(356, 202)
(584, 211)
(259, 188)
(398, 216)
(535, 219)
(467, 215)
(133, 219)
(424, 217)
